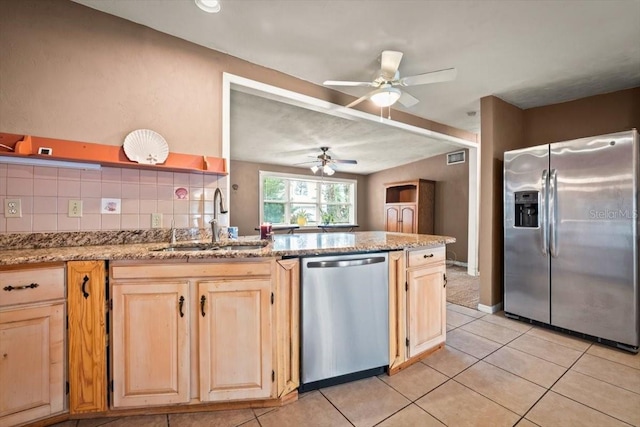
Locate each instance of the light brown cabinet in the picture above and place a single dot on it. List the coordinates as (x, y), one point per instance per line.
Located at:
(192, 332)
(426, 300)
(86, 285)
(409, 206)
(150, 343)
(235, 339)
(397, 310)
(288, 325)
(417, 305)
(32, 363)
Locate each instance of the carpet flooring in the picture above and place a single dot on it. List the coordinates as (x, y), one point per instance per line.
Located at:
(462, 289)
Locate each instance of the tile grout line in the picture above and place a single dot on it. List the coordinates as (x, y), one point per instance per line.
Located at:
(567, 397)
(336, 408)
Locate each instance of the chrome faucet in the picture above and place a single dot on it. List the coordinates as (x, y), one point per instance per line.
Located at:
(214, 222)
(173, 232)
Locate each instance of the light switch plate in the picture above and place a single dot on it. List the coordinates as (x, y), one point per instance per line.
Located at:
(75, 209)
(156, 220)
(13, 208)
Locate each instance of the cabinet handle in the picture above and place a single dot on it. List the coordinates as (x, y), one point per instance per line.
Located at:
(428, 256)
(445, 280)
(85, 280)
(19, 288)
(180, 305)
(203, 300)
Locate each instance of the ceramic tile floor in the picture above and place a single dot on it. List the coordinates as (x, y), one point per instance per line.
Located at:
(493, 372)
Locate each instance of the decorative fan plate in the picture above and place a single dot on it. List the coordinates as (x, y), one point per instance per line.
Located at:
(146, 146)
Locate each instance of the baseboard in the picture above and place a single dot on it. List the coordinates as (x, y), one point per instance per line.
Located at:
(458, 263)
(490, 308)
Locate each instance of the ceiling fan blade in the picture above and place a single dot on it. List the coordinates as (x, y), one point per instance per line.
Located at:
(389, 63)
(432, 77)
(346, 83)
(348, 162)
(359, 100)
(408, 100)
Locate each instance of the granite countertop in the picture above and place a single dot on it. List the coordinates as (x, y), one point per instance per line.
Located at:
(289, 245)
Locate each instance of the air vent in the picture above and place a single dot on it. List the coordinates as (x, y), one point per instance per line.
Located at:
(457, 157)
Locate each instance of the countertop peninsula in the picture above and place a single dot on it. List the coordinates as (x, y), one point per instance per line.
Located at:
(79, 247)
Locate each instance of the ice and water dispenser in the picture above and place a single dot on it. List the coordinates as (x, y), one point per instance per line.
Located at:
(526, 204)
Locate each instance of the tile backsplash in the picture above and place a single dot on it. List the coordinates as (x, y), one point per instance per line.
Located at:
(45, 192)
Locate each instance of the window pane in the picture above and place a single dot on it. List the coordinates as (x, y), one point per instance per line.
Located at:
(341, 214)
(308, 211)
(303, 191)
(336, 192)
(274, 213)
(274, 189)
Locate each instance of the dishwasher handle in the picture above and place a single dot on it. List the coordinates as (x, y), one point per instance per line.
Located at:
(346, 262)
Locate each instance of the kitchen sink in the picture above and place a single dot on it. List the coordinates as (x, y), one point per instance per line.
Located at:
(239, 247)
(213, 247)
(183, 248)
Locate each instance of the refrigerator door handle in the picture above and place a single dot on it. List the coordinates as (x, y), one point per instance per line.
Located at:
(544, 231)
(553, 207)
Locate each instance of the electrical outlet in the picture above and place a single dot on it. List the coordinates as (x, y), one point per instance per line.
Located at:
(156, 220)
(12, 208)
(75, 209)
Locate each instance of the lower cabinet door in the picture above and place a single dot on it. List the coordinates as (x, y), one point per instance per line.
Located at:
(426, 301)
(31, 363)
(150, 344)
(86, 336)
(235, 339)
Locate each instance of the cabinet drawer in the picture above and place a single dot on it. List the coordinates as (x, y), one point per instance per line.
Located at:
(428, 256)
(18, 286)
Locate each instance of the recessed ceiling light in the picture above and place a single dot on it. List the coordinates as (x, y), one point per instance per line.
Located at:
(209, 6)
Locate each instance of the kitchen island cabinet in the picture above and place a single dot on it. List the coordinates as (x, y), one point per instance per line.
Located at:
(235, 340)
(426, 300)
(166, 357)
(32, 362)
(150, 339)
(192, 332)
(418, 301)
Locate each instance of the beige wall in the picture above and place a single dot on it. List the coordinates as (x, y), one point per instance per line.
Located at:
(595, 115)
(506, 127)
(71, 72)
(502, 127)
(244, 201)
(452, 198)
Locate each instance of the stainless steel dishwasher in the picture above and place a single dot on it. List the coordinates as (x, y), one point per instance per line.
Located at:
(345, 318)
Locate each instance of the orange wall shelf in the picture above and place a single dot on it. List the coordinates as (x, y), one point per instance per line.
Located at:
(106, 155)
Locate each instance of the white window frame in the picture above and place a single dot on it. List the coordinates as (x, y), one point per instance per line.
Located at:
(318, 179)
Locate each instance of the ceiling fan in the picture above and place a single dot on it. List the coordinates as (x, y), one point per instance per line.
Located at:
(324, 161)
(386, 92)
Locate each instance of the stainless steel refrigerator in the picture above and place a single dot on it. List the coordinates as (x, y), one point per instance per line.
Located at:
(571, 236)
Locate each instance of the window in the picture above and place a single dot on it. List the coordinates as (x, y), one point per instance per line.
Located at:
(285, 197)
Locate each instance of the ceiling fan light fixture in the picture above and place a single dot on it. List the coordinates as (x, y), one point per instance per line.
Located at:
(327, 170)
(386, 96)
(209, 6)
(314, 168)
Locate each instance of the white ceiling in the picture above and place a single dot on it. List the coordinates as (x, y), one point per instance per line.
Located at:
(528, 53)
(268, 131)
